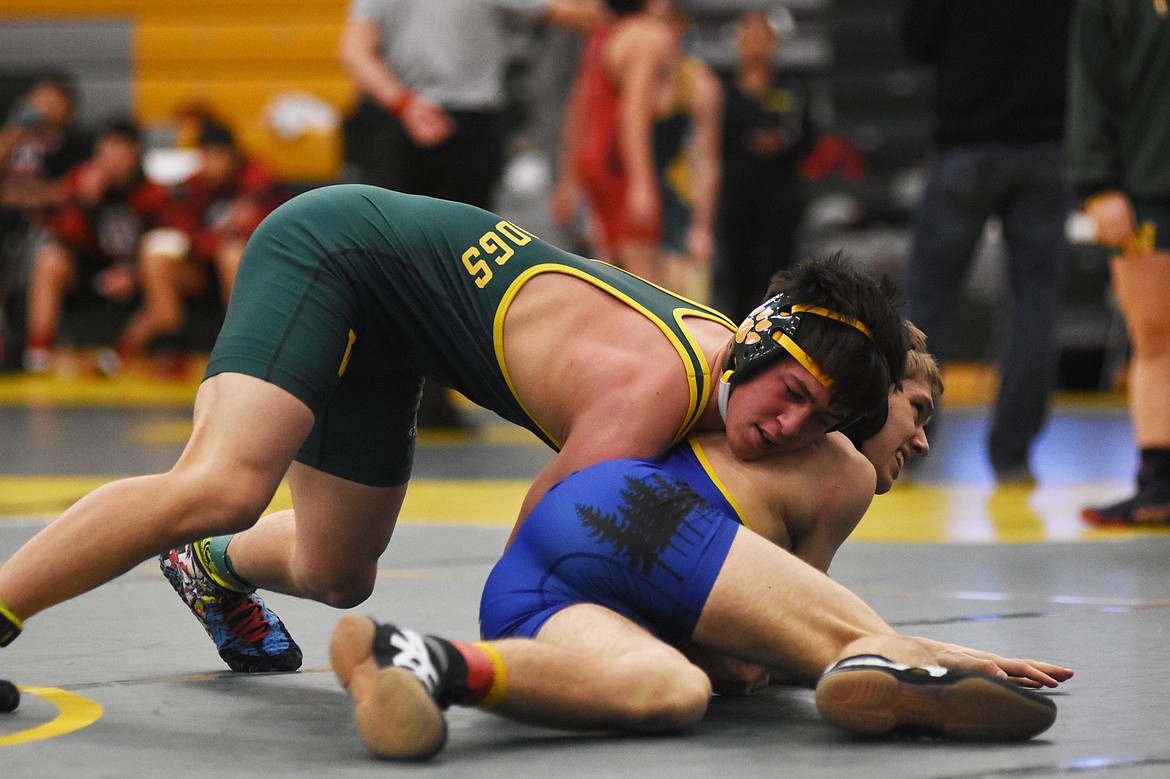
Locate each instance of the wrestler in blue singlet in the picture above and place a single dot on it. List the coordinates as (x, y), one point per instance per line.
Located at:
(644, 538)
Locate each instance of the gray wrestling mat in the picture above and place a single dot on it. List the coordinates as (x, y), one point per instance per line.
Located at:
(167, 702)
(125, 683)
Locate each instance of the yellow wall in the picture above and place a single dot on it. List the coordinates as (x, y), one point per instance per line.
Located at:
(235, 56)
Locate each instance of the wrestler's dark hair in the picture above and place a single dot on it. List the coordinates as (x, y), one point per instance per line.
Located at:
(625, 7)
(862, 369)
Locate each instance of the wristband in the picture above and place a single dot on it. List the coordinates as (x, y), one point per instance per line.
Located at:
(397, 107)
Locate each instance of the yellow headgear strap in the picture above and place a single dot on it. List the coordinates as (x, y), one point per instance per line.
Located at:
(858, 325)
(802, 357)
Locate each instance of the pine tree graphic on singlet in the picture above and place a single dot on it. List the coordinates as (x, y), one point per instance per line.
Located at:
(647, 522)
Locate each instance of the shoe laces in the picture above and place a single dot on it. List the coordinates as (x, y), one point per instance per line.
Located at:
(247, 620)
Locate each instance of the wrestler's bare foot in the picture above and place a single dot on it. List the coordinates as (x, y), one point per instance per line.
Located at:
(395, 715)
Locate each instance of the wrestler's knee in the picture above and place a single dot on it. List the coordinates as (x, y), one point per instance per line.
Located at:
(343, 587)
(212, 502)
(664, 696)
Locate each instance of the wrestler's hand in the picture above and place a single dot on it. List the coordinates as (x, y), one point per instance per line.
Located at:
(728, 675)
(1112, 215)
(1026, 673)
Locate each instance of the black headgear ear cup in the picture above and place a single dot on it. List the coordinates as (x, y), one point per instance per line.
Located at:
(866, 427)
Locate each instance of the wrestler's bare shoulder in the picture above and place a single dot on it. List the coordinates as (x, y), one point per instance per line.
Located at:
(572, 350)
(786, 495)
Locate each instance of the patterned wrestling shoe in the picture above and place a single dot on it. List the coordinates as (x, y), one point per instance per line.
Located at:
(870, 695)
(250, 638)
(395, 680)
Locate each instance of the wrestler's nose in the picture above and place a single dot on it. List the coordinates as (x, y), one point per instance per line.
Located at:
(920, 444)
(795, 421)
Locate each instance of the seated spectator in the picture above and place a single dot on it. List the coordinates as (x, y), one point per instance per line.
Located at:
(38, 144)
(110, 215)
(228, 197)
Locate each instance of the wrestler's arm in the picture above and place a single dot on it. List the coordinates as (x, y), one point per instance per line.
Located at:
(835, 502)
(828, 491)
(602, 435)
(1026, 673)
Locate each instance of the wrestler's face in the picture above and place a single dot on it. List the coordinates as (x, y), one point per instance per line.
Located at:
(779, 409)
(903, 436)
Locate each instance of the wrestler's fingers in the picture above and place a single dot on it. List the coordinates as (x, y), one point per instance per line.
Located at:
(1041, 674)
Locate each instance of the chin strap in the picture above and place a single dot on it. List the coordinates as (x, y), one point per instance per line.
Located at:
(724, 394)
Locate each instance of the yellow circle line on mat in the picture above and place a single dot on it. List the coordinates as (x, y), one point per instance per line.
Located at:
(74, 712)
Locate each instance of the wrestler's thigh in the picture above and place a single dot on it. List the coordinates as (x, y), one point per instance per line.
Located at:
(244, 428)
(595, 630)
(340, 523)
(769, 607)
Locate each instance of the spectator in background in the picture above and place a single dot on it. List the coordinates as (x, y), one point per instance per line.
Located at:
(687, 159)
(431, 117)
(624, 78)
(767, 128)
(227, 198)
(999, 111)
(38, 144)
(1119, 160)
(109, 216)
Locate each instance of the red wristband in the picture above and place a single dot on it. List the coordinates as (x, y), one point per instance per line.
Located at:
(397, 107)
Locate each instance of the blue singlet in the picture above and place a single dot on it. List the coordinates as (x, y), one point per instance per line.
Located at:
(644, 538)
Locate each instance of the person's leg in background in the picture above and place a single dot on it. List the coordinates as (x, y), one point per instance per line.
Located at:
(1141, 281)
(54, 270)
(948, 224)
(1033, 221)
(468, 165)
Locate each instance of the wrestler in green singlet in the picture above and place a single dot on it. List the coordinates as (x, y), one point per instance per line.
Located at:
(348, 296)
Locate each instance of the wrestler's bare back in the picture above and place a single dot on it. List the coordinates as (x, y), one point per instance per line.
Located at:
(598, 375)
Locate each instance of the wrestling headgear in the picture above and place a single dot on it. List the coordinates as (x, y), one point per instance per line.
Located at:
(770, 332)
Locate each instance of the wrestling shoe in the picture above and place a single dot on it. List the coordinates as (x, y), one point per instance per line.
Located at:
(870, 695)
(1127, 512)
(394, 680)
(250, 638)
